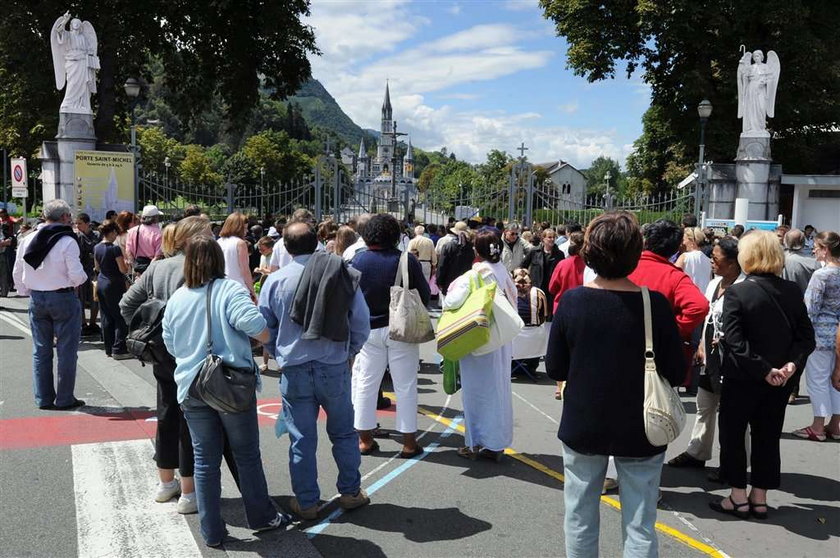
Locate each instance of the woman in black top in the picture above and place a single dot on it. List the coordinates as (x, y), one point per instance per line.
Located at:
(767, 337)
(110, 286)
(597, 345)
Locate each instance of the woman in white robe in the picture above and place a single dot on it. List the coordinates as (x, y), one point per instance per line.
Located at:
(485, 379)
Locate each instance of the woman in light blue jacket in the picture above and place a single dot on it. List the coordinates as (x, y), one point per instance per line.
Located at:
(234, 318)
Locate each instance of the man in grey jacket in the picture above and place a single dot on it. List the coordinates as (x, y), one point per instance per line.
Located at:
(798, 267)
(514, 248)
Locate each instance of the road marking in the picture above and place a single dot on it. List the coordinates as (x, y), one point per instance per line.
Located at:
(12, 321)
(706, 549)
(116, 513)
(318, 529)
(75, 428)
(537, 409)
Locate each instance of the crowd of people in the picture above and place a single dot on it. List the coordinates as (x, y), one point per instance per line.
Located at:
(736, 320)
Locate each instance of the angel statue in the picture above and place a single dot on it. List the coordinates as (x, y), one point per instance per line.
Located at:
(757, 84)
(75, 62)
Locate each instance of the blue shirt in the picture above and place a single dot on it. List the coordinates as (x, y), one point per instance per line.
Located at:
(233, 318)
(276, 297)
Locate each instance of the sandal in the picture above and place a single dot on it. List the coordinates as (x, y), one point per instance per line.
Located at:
(468, 453)
(736, 509)
(758, 514)
(414, 453)
(832, 435)
(379, 433)
(373, 447)
(808, 433)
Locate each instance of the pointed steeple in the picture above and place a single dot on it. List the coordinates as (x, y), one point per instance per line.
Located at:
(362, 151)
(386, 105)
(409, 156)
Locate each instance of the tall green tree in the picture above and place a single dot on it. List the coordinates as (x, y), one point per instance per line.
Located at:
(595, 183)
(687, 51)
(209, 49)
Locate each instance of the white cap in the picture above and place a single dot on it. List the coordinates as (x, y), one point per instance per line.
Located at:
(150, 211)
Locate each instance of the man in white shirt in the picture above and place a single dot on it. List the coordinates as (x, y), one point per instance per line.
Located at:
(570, 228)
(280, 257)
(48, 269)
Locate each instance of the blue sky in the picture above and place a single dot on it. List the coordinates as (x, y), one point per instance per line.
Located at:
(472, 75)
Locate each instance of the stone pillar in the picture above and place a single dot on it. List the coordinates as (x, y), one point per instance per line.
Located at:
(752, 171)
(75, 133)
(720, 191)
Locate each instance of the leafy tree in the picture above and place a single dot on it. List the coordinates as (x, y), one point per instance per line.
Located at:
(209, 49)
(595, 183)
(155, 147)
(197, 168)
(688, 50)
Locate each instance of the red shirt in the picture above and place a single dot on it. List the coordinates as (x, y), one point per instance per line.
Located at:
(567, 275)
(688, 303)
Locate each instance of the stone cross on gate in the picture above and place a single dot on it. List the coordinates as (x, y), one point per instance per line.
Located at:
(522, 149)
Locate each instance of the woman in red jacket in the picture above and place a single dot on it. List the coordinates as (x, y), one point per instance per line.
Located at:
(567, 275)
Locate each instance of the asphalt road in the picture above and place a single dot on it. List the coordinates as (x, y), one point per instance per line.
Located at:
(80, 483)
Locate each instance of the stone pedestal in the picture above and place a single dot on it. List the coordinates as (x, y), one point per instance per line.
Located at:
(752, 173)
(75, 133)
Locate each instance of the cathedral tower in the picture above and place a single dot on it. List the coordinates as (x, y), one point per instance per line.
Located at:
(386, 146)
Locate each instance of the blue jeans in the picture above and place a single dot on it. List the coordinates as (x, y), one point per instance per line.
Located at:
(207, 427)
(638, 481)
(52, 316)
(305, 388)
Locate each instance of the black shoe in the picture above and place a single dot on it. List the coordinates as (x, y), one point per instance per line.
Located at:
(685, 460)
(47, 407)
(383, 403)
(76, 403)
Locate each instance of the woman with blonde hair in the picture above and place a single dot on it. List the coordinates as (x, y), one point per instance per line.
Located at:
(822, 298)
(767, 336)
(344, 238)
(235, 249)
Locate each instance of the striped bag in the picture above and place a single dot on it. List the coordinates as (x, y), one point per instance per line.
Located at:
(463, 330)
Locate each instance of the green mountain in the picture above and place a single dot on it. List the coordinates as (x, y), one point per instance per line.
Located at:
(321, 110)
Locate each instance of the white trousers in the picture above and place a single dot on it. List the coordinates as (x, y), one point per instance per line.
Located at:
(703, 434)
(404, 361)
(825, 400)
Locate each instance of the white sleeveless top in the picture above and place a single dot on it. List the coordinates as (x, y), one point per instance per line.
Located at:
(229, 249)
(699, 268)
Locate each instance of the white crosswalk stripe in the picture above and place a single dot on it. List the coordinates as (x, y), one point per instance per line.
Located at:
(115, 510)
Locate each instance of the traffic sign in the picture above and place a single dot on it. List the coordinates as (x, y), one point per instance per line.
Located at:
(19, 180)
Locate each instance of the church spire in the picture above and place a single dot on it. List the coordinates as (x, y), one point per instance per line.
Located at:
(386, 105)
(408, 161)
(362, 150)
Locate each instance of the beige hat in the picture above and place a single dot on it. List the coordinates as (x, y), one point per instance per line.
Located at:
(459, 227)
(150, 211)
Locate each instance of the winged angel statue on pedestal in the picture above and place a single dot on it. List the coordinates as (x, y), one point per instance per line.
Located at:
(75, 62)
(757, 84)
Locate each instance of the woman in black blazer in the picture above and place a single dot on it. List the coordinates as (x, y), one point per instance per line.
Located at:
(767, 338)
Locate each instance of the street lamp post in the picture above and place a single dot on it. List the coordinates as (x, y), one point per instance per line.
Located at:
(132, 88)
(607, 198)
(262, 187)
(166, 164)
(704, 111)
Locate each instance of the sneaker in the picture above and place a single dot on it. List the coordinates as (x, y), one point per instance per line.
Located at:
(609, 484)
(122, 356)
(187, 504)
(353, 501)
(307, 513)
(166, 492)
(281, 520)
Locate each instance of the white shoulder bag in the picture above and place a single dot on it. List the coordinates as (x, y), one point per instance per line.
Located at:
(664, 412)
(505, 323)
(408, 319)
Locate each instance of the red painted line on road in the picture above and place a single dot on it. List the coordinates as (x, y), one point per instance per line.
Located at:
(60, 429)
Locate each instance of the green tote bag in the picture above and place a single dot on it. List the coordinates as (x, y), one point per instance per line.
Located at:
(463, 330)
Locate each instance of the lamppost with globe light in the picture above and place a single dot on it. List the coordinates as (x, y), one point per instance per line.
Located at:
(132, 88)
(607, 196)
(166, 164)
(704, 111)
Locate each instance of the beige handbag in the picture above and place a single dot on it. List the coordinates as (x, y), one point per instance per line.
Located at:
(408, 319)
(664, 413)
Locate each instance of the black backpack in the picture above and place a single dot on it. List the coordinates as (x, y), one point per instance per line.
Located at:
(145, 333)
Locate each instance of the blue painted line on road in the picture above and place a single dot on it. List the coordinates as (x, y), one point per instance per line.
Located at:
(371, 490)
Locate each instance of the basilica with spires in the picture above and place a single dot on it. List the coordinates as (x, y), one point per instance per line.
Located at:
(375, 176)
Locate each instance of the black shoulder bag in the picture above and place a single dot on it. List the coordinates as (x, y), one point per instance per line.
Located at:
(224, 388)
(141, 263)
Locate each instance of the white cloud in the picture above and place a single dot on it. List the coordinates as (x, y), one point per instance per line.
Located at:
(454, 9)
(521, 5)
(569, 108)
(460, 96)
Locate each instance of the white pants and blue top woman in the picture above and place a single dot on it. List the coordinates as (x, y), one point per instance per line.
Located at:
(597, 346)
(234, 318)
(485, 379)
